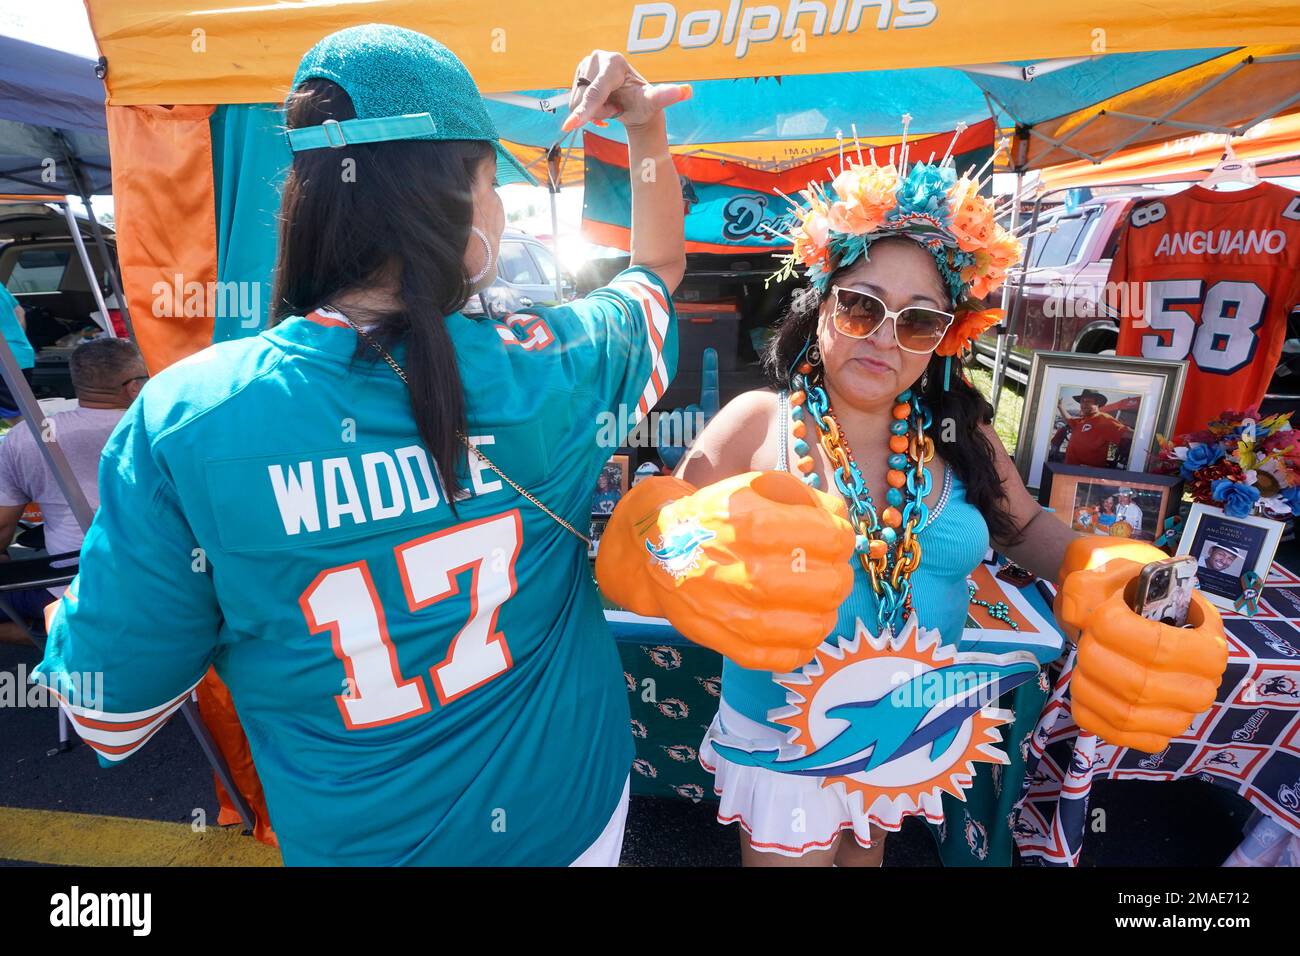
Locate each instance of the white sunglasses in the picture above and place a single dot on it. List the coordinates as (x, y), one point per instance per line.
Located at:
(859, 314)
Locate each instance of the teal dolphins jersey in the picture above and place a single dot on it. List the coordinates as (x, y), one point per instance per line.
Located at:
(420, 684)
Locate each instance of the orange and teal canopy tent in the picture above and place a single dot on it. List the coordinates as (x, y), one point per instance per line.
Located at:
(197, 154)
(1270, 144)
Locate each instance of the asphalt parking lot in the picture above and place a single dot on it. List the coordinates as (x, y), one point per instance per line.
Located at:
(1186, 823)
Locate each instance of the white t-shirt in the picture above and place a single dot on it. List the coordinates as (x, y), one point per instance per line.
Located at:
(1130, 513)
(24, 475)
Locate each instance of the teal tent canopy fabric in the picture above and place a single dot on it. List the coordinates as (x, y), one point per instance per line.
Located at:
(249, 161)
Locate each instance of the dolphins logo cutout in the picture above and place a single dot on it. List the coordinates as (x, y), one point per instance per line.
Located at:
(899, 720)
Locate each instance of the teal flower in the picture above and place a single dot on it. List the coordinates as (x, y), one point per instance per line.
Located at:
(925, 190)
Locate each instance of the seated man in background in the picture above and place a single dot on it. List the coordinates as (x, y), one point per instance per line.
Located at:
(107, 375)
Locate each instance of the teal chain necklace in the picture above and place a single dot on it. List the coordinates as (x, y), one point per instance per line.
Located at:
(887, 544)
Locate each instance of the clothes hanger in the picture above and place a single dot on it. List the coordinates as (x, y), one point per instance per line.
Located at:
(1230, 170)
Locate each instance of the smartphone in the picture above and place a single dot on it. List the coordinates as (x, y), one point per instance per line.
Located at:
(1164, 590)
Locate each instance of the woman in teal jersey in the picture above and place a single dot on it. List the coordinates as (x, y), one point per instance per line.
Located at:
(365, 517)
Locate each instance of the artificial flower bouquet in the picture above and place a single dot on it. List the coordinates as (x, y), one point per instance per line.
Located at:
(1241, 462)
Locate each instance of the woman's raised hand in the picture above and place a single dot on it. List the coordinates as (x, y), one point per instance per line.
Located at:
(605, 86)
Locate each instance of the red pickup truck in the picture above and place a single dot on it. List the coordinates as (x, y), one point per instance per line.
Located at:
(1064, 279)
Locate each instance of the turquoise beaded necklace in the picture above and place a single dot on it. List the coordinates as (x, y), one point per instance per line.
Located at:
(886, 540)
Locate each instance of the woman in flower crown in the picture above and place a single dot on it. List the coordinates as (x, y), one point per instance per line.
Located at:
(875, 418)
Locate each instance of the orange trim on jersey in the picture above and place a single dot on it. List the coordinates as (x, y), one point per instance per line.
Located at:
(111, 750)
(108, 725)
(325, 320)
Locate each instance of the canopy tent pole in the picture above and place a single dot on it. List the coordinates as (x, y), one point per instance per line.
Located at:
(35, 418)
(75, 231)
(555, 247)
(1009, 304)
(1004, 328)
(553, 187)
(110, 265)
(218, 763)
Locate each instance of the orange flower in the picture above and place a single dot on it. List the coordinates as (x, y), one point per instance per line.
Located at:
(983, 276)
(972, 216)
(811, 237)
(865, 195)
(1005, 249)
(966, 328)
(991, 264)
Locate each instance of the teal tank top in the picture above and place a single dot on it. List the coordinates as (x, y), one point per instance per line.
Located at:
(953, 541)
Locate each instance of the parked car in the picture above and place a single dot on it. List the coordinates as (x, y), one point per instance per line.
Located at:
(1059, 308)
(526, 270)
(40, 266)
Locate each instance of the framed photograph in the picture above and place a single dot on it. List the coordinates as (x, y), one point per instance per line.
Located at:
(611, 485)
(1096, 411)
(597, 529)
(1225, 548)
(1123, 504)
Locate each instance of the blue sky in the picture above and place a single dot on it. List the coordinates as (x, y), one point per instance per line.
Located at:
(61, 24)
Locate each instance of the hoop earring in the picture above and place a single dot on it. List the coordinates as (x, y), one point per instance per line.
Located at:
(487, 254)
(814, 355)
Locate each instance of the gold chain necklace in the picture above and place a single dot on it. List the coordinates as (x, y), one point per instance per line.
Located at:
(473, 449)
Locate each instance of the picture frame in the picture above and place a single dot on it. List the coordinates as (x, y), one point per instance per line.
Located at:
(1225, 548)
(598, 523)
(611, 485)
(1138, 399)
(1078, 495)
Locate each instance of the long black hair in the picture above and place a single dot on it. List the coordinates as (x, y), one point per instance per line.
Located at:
(969, 453)
(396, 213)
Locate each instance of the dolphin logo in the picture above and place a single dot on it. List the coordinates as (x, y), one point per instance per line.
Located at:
(678, 550)
(680, 544)
(892, 728)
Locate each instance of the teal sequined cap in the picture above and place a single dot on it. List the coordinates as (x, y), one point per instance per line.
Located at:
(403, 85)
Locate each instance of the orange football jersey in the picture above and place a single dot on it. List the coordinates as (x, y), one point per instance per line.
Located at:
(1210, 277)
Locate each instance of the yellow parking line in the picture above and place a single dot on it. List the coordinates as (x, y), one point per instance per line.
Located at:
(85, 839)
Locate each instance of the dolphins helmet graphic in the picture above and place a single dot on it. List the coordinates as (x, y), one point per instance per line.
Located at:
(899, 720)
(977, 838)
(711, 685)
(674, 708)
(1278, 686)
(691, 791)
(678, 551)
(669, 658)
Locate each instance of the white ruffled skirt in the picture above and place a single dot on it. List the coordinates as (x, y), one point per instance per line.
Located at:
(782, 813)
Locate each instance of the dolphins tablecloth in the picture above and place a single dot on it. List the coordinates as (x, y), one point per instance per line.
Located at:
(1249, 742)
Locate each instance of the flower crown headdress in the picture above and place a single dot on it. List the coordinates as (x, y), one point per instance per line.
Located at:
(928, 203)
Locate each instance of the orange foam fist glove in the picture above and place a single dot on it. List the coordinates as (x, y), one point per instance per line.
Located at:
(1136, 682)
(754, 567)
